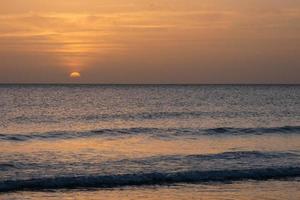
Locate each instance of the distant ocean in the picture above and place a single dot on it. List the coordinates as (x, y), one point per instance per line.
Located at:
(150, 142)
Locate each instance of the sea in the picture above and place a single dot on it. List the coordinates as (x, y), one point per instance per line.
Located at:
(151, 142)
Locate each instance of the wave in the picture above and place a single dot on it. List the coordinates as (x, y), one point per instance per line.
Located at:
(231, 159)
(155, 132)
(139, 179)
(6, 166)
(256, 131)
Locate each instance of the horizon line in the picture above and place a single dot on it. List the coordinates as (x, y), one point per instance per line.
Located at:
(191, 84)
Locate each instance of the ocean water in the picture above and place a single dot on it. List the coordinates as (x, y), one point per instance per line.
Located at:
(149, 142)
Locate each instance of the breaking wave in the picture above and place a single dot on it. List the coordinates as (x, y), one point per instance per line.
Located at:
(139, 179)
(155, 132)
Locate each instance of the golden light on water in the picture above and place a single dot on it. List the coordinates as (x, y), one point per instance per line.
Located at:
(75, 75)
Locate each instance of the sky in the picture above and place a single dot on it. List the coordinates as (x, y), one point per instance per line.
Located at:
(150, 42)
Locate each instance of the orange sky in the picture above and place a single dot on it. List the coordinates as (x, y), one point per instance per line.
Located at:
(144, 41)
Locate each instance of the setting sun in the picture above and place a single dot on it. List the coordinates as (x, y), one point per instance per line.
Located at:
(141, 99)
(75, 75)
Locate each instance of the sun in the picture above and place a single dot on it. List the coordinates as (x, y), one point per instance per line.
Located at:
(75, 75)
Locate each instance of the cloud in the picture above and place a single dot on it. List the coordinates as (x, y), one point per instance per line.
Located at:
(77, 34)
(176, 37)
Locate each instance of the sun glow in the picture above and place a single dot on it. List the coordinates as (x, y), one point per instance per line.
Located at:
(75, 75)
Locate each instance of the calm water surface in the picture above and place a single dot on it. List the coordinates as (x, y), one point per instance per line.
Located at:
(149, 142)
